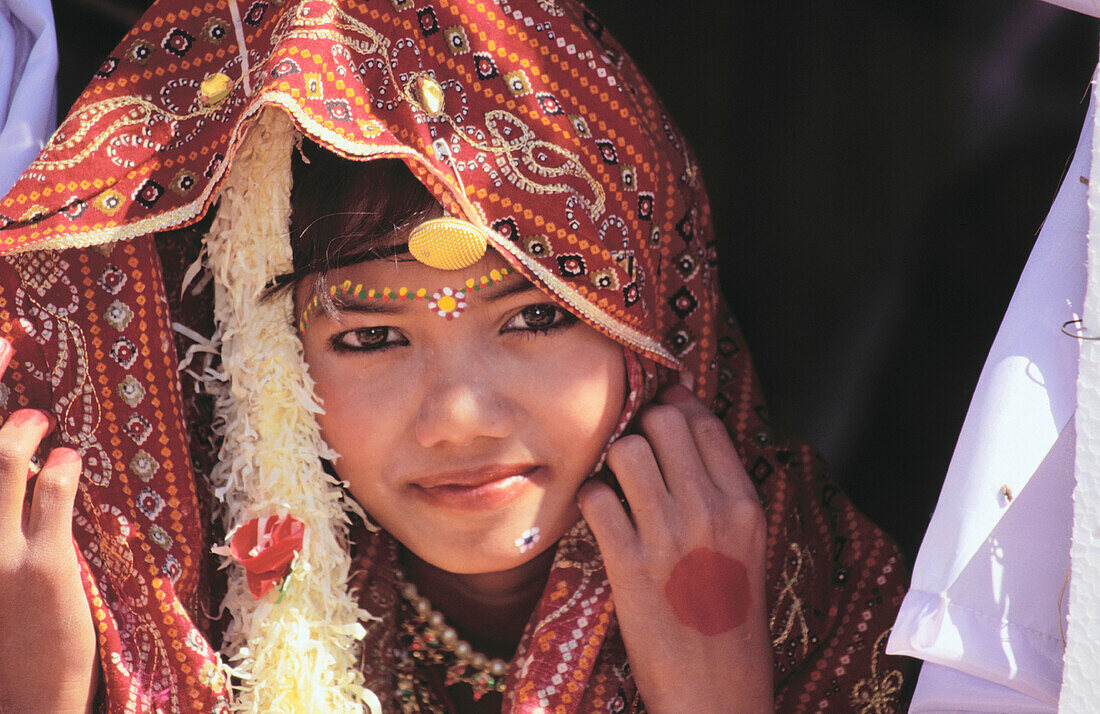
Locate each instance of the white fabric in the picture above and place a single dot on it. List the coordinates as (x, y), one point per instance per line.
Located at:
(942, 690)
(1080, 685)
(999, 622)
(990, 572)
(1089, 7)
(28, 92)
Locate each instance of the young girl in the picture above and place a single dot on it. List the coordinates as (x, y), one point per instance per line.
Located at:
(496, 333)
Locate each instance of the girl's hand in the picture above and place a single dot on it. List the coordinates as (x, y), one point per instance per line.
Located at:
(46, 631)
(687, 566)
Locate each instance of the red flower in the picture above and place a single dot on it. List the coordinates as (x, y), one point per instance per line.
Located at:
(266, 547)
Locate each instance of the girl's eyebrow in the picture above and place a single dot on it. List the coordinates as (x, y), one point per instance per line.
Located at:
(511, 287)
(370, 307)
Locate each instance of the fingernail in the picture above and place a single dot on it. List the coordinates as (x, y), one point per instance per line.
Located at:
(687, 379)
(63, 455)
(30, 417)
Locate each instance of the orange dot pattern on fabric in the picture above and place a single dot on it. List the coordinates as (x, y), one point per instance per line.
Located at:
(552, 138)
(91, 341)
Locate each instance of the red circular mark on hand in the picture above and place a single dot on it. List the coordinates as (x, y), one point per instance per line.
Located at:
(709, 592)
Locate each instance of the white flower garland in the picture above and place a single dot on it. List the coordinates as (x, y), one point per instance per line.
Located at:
(293, 651)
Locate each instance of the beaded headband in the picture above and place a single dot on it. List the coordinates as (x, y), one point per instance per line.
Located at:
(446, 302)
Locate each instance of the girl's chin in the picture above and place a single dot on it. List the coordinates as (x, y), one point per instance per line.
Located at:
(487, 557)
(485, 542)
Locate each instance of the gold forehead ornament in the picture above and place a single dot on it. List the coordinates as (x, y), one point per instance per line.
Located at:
(447, 243)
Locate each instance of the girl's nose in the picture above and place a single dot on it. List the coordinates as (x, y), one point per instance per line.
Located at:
(462, 408)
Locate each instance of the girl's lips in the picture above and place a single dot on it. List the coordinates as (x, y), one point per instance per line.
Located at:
(482, 489)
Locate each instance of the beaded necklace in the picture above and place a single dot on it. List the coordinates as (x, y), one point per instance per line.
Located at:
(431, 641)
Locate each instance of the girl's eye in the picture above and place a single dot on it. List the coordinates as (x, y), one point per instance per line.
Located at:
(366, 339)
(542, 317)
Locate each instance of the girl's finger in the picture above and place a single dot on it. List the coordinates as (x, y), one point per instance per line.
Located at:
(608, 521)
(632, 460)
(19, 437)
(6, 353)
(677, 453)
(54, 492)
(715, 448)
(13, 491)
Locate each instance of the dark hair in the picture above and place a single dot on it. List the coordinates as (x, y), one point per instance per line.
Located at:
(344, 212)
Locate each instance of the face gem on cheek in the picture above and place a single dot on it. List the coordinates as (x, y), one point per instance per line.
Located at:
(527, 539)
(709, 592)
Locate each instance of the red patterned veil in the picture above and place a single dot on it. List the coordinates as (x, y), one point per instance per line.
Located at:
(524, 117)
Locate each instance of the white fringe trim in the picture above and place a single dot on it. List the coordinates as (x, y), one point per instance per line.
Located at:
(298, 654)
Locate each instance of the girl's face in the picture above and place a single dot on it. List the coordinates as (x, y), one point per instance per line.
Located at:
(467, 438)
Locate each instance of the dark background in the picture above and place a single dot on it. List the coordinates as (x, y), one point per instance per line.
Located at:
(878, 171)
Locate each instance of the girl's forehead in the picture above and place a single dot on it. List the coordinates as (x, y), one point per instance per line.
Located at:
(400, 286)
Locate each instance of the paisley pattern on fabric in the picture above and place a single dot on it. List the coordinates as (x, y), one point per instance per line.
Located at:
(138, 520)
(560, 161)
